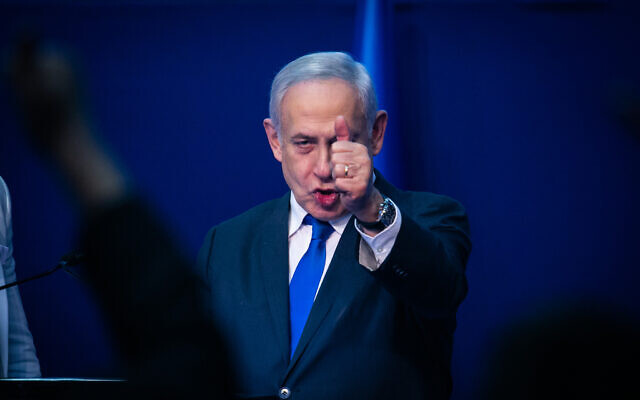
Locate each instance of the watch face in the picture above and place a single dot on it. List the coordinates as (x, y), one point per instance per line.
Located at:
(388, 212)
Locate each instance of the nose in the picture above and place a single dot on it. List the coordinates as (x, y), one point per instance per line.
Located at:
(323, 164)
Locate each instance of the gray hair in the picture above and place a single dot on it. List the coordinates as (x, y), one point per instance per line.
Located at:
(322, 66)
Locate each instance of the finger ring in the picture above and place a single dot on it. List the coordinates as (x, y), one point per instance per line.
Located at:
(346, 170)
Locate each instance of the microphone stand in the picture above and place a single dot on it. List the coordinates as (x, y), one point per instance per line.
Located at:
(67, 260)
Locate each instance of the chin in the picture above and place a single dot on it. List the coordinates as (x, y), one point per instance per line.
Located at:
(327, 215)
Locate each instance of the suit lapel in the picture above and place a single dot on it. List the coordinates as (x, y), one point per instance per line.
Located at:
(273, 259)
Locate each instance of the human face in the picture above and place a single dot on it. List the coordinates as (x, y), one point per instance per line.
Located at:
(308, 113)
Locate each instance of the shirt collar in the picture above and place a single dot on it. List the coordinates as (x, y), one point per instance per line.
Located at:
(297, 214)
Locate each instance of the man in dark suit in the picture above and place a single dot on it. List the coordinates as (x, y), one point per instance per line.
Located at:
(346, 287)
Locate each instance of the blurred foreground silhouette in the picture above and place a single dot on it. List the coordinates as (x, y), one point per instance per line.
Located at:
(580, 351)
(153, 301)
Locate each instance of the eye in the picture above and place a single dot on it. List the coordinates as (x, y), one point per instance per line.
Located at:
(303, 146)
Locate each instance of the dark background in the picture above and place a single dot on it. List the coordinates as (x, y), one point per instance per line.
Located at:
(514, 108)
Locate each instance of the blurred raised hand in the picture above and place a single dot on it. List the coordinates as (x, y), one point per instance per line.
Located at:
(46, 90)
(46, 93)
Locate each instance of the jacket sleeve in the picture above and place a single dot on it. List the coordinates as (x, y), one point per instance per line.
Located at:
(22, 359)
(426, 267)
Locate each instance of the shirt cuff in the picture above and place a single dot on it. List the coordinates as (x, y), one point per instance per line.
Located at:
(382, 243)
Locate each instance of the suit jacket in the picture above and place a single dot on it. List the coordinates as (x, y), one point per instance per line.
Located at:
(384, 334)
(17, 352)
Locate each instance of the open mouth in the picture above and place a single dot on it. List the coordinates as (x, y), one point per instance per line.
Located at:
(325, 198)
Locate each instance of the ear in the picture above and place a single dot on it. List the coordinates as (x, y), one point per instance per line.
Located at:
(272, 137)
(377, 132)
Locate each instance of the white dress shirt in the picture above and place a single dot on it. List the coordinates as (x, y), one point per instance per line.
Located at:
(300, 238)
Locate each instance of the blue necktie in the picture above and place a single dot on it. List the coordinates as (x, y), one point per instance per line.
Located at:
(304, 284)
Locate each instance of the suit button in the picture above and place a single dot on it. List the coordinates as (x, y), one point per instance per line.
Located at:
(284, 393)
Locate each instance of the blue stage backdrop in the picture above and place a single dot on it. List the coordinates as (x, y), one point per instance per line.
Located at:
(513, 109)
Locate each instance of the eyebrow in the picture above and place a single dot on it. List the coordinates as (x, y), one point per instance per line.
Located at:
(301, 136)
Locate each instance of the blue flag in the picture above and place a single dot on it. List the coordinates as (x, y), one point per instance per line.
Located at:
(374, 48)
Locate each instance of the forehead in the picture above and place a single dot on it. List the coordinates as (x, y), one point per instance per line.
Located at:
(320, 101)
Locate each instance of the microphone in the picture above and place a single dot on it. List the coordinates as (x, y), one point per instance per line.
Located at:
(71, 259)
(68, 260)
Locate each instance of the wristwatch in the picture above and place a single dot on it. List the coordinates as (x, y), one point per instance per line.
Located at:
(386, 216)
